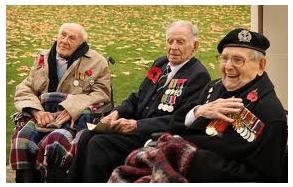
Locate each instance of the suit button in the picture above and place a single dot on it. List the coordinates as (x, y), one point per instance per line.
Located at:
(147, 108)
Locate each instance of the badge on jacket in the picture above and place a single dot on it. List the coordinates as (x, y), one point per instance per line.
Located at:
(169, 97)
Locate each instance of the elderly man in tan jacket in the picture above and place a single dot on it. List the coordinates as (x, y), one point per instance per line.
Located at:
(64, 82)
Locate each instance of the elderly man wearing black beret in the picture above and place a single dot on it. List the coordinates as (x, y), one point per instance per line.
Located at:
(237, 132)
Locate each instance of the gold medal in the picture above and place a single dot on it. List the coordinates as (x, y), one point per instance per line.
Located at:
(211, 131)
(172, 83)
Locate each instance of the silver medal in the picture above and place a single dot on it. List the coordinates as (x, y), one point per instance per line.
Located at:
(244, 132)
(164, 107)
(168, 91)
(247, 135)
(160, 106)
(75, 83)
(240, 129)
(178, 93)
(252, 137)
(170, 108)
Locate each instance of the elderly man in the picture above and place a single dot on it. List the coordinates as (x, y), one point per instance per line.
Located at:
(170, 82)
(237, 130)
(63, 83)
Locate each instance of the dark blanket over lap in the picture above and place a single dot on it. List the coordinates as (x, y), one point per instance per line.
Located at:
(167, 162)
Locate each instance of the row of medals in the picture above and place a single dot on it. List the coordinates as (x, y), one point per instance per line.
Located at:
(244, 131)
(170, 95)
(238, 125)
(81, 76)
(246, 124)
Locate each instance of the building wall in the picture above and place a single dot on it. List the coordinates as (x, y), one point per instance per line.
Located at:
(272, 21)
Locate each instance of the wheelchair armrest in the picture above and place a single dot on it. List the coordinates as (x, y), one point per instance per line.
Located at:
(102, 111)
(156, 135)
(152, 142)
(106, 108)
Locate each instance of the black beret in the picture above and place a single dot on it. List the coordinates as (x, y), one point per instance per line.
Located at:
(244, 38)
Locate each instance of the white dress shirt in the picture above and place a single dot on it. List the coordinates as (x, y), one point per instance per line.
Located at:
(190, 118)
(174, 70)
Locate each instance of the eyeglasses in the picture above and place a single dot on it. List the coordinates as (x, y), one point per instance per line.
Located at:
(235, 60)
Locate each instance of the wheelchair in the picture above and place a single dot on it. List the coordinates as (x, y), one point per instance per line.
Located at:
(100, 110)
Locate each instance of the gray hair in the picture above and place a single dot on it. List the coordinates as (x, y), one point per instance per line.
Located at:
(182, 23)
(256, 54)
(80, 28)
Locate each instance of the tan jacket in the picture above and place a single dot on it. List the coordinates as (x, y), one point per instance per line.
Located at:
(28, 91)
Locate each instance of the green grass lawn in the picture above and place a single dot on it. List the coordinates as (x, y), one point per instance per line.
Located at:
(133, 35)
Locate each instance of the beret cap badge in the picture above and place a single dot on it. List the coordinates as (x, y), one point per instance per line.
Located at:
(244, 36)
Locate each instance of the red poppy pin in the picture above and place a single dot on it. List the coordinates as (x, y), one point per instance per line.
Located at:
(252, 96)
(89, 72)
(154, 74)
(41, 61)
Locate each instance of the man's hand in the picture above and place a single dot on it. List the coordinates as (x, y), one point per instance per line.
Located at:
(42, 118)
(62, 118)
(113, 116)
(219, 109)
(124, 126)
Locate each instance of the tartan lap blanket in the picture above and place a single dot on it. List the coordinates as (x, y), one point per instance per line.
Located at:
(58, 146)
(167, 161)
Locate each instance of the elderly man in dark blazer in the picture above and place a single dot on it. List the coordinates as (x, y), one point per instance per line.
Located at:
(170, 83)
(71, 73)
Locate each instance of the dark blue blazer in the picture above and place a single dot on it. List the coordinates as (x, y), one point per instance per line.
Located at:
(143, 105)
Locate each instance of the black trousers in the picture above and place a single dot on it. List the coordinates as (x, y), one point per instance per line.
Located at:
(99, 154)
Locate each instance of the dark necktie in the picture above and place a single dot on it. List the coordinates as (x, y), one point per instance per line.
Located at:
(162, 80)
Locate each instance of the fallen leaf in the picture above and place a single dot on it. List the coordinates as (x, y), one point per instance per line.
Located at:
(125, 73)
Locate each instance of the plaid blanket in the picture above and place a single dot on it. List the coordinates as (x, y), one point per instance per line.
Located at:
(51, 100)
(168, 161)
(32, 148)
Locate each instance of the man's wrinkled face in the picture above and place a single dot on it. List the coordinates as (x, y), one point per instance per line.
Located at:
(180, 45)
(238, 67)
(68, 41)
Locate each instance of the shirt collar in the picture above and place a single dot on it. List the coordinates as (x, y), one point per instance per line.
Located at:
(175, 68)
(58, 57)
(60, 60)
